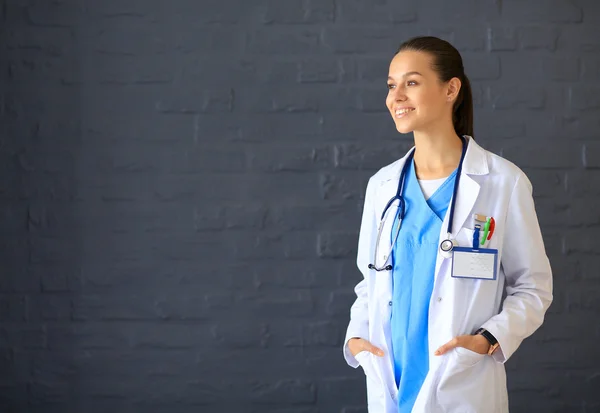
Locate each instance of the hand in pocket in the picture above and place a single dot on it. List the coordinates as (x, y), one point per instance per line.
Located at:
(356, 345)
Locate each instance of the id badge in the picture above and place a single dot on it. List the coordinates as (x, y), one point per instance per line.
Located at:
(480, 264)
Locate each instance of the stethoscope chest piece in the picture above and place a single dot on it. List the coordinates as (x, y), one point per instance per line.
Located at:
(447, 246)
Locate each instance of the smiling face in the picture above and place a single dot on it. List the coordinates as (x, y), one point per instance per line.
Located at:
(417, 99)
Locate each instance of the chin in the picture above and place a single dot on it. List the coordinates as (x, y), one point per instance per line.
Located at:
(404, 128)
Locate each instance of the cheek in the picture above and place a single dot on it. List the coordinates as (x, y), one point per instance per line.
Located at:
(431, 104)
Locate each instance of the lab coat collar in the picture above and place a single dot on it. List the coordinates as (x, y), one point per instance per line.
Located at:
(475, 162)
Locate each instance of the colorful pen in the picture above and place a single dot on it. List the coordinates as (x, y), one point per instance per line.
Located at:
(492, 228)
(486, 229)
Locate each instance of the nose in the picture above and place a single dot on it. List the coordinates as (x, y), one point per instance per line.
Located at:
(399, 94)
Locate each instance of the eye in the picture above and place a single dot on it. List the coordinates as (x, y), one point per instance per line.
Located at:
(411, 83)
(390, 86)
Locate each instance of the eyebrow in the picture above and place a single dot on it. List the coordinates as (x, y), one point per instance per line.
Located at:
(406, 74)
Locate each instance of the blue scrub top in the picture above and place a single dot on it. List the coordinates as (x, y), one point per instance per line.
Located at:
(413, 261)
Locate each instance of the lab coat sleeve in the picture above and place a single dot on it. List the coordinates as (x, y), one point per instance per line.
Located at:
(528, 274)
(359, 312)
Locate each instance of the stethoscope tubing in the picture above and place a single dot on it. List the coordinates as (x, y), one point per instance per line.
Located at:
(447, 245)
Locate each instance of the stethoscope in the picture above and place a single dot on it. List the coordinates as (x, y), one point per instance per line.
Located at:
(446, 246)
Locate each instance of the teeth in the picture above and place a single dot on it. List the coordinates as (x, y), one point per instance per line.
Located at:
(403, 111)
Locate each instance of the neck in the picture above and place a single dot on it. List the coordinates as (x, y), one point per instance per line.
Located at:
(437, 155)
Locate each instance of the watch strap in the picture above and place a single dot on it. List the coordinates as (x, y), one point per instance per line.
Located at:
(490, 338)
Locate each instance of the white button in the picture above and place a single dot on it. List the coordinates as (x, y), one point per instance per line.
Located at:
(390, 303)
(385, 257)
(439, 299)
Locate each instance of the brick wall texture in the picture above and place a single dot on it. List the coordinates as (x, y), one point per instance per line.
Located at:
(181, 184)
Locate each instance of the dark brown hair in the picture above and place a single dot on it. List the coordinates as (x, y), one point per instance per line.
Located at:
(448, 63)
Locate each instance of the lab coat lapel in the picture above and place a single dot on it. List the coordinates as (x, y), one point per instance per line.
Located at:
(468, 191)
(475, 163)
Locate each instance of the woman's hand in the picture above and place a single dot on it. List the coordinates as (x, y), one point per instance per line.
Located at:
(476, 343)
(356, 345)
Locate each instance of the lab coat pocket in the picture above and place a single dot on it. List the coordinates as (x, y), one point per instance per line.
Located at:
(461, 365)
(467, 357)
(365, 361)
(375, 388)
(465, 384)
(465, 237)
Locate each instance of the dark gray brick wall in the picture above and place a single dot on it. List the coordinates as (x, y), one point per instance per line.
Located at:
(181, 185)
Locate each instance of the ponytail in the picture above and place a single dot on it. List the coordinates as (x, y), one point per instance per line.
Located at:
(462, 113)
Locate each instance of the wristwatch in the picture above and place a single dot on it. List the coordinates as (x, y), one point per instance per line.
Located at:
(489, 337)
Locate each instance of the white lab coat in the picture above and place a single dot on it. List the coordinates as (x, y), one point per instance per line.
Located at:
(460, 381)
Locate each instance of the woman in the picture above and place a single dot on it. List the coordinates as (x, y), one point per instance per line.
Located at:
(430, 326)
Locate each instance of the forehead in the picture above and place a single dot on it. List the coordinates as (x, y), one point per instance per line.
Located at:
(410, 61)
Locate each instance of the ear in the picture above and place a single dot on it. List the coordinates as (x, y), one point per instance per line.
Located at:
(452, 89)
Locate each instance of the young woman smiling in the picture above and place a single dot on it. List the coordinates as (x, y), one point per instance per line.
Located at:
(454, 265)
